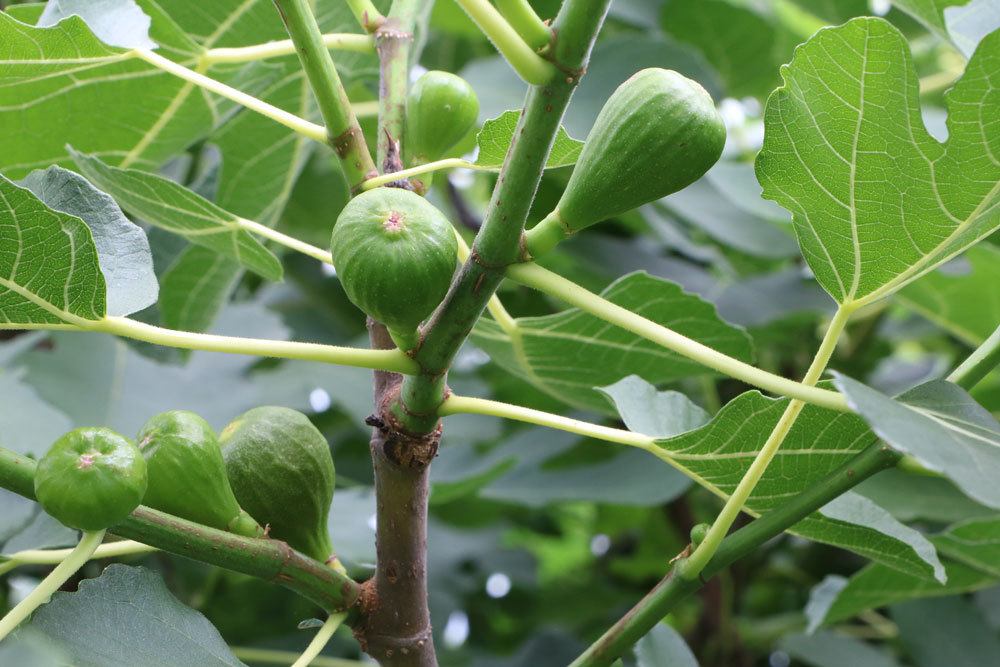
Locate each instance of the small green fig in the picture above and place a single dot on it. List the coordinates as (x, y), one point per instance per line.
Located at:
(440, 111)
(91, 478)
(187, 476)
(281, 472)
(698, 533)
(658, 133)
(395, 255)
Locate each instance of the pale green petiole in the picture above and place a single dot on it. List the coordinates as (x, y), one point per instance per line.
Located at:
(437, 165)
(697, 561)
(321, 639)
(56, 556)
(50, 584)
(550, 283)
(531, 67)
(284, 47)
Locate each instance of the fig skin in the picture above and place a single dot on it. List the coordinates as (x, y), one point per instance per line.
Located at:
(657, 133)
(187, 476)
(281, 471)
(440, 110)
(91, 478)
(395, 254)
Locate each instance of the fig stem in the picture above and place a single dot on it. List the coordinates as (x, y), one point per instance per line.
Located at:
(343, 132)
(697, 561)
(56, 556)
(978, 364)
(531, 67)
(544, 236)
(285, 47)
(321, 639)
(50, 584)
(427, 167)
(300, 125)
(522, 17)
(368, 16)
(500, 315)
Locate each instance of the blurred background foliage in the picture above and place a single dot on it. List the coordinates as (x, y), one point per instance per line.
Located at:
(540, 540)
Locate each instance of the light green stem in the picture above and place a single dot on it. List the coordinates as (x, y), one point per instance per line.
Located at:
(535, 276)
(50, 584)
(437, 165)
(54, 556)
(454, 405)
(285, 240)
(526, 22)
(273, 657)
(368, 16)
(285, 47)
(697, 561)
(320, 640)
(979, 363)
(382, 360)
(385, 360)
(344, 133)
(531, 67)
(300, 125)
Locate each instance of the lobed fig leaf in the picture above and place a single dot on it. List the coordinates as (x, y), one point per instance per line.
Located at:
(91, 478)
(187, 476)
(395, 255)
(657, 133)
(281, 471)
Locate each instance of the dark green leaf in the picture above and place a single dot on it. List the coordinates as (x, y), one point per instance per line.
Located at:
(49, 270)
(876, 201)
(940, 425)
(122, 247)
(128, 617)
(570, 353)
(169, 205)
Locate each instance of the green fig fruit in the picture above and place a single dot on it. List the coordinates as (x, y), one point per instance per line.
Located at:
(440, 111)
(187, 476)
(698, 533)
(281, 472)
(658, 133)
(395, 255)
(91, 478)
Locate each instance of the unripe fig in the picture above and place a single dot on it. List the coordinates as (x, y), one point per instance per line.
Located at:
(395, 255)
(91, 478)
(698, 533)
(658, 133)
(281, 472)
(440, 111)
(187, 476)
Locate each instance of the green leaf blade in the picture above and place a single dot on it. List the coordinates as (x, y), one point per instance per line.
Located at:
(49, 269)
(570, 353)
(940, 425)
(171, 206)
(717, 455)
(496, 135)
(876, 200)
(128, 617)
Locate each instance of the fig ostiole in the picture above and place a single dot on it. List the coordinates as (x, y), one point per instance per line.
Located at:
(281, 471)
(91, 478)
(187, 476)
(395, 255)
(440, 110)
(657, 133)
